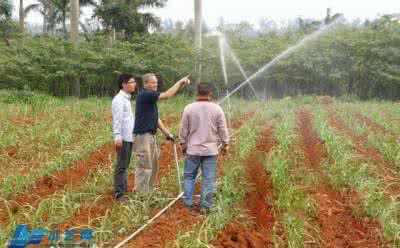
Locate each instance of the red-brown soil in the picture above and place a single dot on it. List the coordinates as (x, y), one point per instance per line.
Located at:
(176, 219)
(71, 176)
(325, 100)
(375, 127)
(383, 169)
(84, 214)
(337, 226)
(106, 201)
(22, 121)
(166, 160)
(236, 235)
(257, 201)
(259, 198)
(236, 123)
(166, 227)
(10, 151)
(87, 212)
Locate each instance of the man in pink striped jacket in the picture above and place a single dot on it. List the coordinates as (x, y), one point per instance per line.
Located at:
(203, 129)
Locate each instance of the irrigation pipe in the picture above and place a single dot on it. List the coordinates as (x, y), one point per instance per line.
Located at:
(173, 201)
(148, 222)
(164, 209)
(177, 168)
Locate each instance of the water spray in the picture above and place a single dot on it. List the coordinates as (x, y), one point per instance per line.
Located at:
(281, 56)
(236, 60)
(221, 42)
(173, 200)
(248, 80)
(222, 39)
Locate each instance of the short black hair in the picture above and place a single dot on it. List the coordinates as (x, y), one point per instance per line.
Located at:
(124, 78)
(204, 89)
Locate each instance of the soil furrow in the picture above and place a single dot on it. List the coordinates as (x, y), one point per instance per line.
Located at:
(337, 226)
(105, 201)
(72, 176)
(376, 127)
(258, 203)
(176, 220)
(383, 169)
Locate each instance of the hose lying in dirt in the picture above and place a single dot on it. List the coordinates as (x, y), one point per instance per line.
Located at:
(149, 222)
(173, 201)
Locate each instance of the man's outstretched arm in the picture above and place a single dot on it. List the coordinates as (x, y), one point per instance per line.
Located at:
(174, 89)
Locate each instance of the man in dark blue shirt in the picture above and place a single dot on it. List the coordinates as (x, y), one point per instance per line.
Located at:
(146, 125)
(147, 112)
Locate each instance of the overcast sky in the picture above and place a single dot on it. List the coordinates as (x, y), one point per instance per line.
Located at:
(254, 10)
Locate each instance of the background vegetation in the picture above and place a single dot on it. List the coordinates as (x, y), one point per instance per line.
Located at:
(357, 58)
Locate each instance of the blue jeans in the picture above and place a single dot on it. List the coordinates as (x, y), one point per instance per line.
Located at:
(208, 167)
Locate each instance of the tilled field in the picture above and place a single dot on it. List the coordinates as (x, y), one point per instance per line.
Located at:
(297, 175)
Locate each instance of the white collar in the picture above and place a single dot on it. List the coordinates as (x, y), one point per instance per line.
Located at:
(124, 94)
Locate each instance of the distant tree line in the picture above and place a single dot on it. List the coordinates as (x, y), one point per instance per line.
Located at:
(359, 58)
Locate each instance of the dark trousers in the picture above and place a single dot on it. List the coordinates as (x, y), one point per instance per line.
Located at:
(121, 169)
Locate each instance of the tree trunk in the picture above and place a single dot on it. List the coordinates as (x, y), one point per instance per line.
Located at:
(109, 37)
(44, 29)
(74, 21)
(74, 39)
(197, 36)
(76, 87)
(64, 19)
(50, 27)
(7, 41)
(21, 16)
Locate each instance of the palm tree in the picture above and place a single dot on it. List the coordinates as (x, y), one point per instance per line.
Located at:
(308, 25)
(124, 15)
(5, 19)
(55, 11)
(5, 10)
(311, 25)
(62, 6)
(329, 18)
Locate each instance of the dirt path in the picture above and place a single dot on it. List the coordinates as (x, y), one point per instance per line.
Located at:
(258, 203)
(337, 226)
